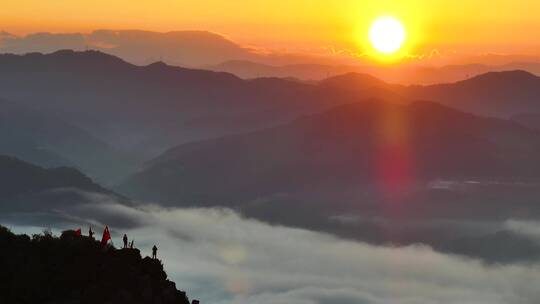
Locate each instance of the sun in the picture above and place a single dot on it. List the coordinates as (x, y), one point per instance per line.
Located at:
(387, 35)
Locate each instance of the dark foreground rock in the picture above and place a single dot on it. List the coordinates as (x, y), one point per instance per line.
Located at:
(75, 269)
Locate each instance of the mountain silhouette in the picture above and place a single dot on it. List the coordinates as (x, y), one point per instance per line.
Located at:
(207, 50)
(500, 94)
(77, 269)
(19, 177)
(375, 171)
(187, 48)
(150, 108)
(353, 80)
(27, 187)
(284, 151)
(46, 140)
(303, 71)
(401, 74)
(342, 154)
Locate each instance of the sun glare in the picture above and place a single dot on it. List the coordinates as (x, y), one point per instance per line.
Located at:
(387, 35)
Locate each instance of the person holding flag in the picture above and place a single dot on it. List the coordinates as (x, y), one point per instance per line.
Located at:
(106, 236)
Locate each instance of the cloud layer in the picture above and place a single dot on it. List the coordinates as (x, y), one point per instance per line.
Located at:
(220, 257)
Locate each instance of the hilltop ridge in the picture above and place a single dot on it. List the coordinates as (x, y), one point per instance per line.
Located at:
(77, 269)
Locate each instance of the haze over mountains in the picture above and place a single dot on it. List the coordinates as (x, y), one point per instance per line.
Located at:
(45, 139)
(64, 197)
(345, 148)
(352, 158)
(270, 152)
(267, 144)
(88, 109)
(371, 170)
(406, 74)
(186, 48)
(149, 107)
(30, 189)
(501, 94)
(182, 48)
(206, 50)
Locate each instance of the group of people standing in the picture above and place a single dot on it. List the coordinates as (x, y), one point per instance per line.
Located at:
(125, 239)
(127, 244)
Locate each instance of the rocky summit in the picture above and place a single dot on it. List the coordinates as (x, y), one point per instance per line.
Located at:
(77, 269)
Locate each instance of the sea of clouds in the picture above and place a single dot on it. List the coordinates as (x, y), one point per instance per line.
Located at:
(220, 257)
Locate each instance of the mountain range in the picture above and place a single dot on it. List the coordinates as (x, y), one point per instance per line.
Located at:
(402, 74)
(375, 171)
(105, 116)
(150, 108)
(342, 150)
(30, 188)
(350, 155)
(37, 196)
(47, 140)
(501, 94)
(212, 51)
(185, 48)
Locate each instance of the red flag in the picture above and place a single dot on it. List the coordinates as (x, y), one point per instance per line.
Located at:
(78, 232)
(106, 236)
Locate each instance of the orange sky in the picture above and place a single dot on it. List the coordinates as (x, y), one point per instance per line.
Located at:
(467, 26)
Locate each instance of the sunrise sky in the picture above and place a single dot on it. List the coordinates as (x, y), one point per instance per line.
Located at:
(480, 26)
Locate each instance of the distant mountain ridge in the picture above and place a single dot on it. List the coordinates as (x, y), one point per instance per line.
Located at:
(405, 75)
(46, 140)
(376, 171)
(111, 106)
(187, 48)
(27, 187)
(501, 94)
(344, 145)
(208, 50)
(148, 109)
(19, 177)
(272, 148)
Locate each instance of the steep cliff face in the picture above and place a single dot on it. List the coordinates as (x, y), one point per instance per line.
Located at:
(75, 269)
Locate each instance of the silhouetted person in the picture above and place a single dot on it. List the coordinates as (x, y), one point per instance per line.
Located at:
(154, 252)
(131, 244)
(125, 239)
(90, 233)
